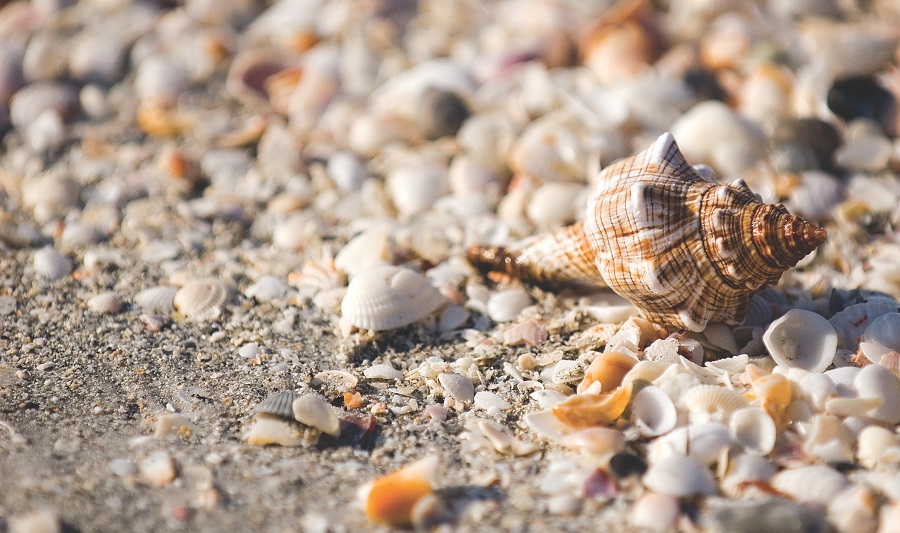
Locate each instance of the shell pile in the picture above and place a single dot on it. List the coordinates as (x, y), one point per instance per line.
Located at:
(688, 212)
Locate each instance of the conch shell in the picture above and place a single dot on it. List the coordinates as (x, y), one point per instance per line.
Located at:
(683, 249)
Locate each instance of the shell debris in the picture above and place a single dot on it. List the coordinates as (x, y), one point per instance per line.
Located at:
(392, 498)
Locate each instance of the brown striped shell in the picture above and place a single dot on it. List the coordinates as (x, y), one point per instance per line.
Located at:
(683, 249)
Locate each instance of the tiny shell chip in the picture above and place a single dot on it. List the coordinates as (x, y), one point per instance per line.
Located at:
(278, 404)
(105, 303)
(802, 339)
(50, 264)
(157, 299)
(817, 483)
(460, 388)
(679, 476)
(315, 412)
(389, 297)
(391, 499)
(201, 299)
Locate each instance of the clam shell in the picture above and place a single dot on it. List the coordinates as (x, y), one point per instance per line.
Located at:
(679, 476)
(388, 297)
(876, 381)
(202, 299)
(885, 330)
(278, 404)
(802, 339)
(754, 429)
(654, 412)
(460, 388)
(505, 305)
(157, 299)
(105, 303)
(50, 264)
(315, 412)
(712, 403)
(815, 484)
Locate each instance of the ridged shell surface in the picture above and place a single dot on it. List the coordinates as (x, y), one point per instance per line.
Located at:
(158, 299)
(389, 297)
(50, 264)
(686, 251)
(278, 404)
(202, 299)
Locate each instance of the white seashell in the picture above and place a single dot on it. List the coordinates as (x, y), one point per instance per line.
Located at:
(157, 299)
(854, 509)
(815, 484)
(555, 204)
(105, 303)
(202, 299)
(876, 444)
(801, 339)
(453, 318)
(505, 443)
(662, 351)
(28, 103)
(730, 365)
(745, 468)
(50, 264)
(818, 389)
(490, 402)
(679, 476)
(754, 429)
(597, 441)
(739, 143)
(547, 426)
(315, 412)
(885, 330)
(852, 322)
(272, 430)
(159, 81)
(346, 171)
(702, 441)
(383, 371)
(654, 412)
(876, 381)
(829, 440)
(505, 305)
(547, 398)
(647, 370)
(416, 186)
(157, 469)
(78, 235)
(367, 250)
(460, 388)
(712, 403)
(267, 288)
(655, 512)
(720, 336)
(278, 404)
(388, 297)
(157, 251)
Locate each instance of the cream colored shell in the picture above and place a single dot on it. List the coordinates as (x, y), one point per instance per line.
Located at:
(388, 297)
(685, 250)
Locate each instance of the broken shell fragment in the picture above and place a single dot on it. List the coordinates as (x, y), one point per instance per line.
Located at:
(586, 410)
(460, 388)
(315, 412)
(801, 339)
(392, 498)
(598, 441)
(389, 297)
(267, 429)
(609, 369)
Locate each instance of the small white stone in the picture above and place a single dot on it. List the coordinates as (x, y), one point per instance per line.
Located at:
(158, 469)
(382, 371)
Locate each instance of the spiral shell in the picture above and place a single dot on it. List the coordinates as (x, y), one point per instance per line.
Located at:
(684, 250)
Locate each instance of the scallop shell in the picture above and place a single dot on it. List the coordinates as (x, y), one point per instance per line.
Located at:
(754, 429)
(202, 299)
(816, 484)
(105, 303)
(712, 403)
(278, 404)
(388, 297)
(654, 412)
(157, 299)
(852, 322)
(50, 264)
(684, 250)
(802, 339)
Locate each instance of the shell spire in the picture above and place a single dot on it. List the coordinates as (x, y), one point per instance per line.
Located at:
(682, 248)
